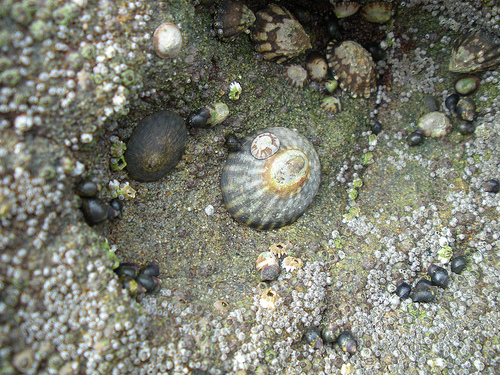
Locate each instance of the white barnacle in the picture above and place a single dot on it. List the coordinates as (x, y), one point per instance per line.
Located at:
(235, 91)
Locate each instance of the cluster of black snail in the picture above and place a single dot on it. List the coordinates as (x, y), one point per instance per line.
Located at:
(330, 334)
(424, 289)
(139, 280)
(472, 53)
(94, 209)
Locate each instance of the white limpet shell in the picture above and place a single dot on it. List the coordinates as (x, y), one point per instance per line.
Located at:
(435, 124)
(265, 145)
(167, 40)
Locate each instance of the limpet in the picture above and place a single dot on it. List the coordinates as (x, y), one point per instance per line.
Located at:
(271, 192)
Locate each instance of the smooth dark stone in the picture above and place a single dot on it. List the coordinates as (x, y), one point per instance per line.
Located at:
(466, 128)
(415, 138)
(439, 276)
(458, 264)
(423, 283)
(86, 189)
(94, 210)
(451, 102)
(403, 290)
(424, 294)
(376, 127)
(491, 186)
(313, 337)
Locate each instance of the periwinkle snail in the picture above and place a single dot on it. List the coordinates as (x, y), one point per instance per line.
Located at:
(208, 116)
(272, 179)
(155, 146)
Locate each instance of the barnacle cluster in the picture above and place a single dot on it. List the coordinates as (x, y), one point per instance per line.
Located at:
(67, 72)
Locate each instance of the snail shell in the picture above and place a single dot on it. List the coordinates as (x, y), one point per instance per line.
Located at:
(271, 192)
(232, 19)
(156, 146)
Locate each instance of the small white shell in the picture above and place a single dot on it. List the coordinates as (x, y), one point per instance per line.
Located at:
(167, 40)
(265, 145)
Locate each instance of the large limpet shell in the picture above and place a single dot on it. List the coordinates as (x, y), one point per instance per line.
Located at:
(272, 192)
(353, 67)
(475, 52)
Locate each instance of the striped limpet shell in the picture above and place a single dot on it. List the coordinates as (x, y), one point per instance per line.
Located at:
(353, 67)
(264, 145)
(271, 192)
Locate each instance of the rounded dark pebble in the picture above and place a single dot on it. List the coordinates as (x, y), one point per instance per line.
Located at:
(94, 210)
(86, 189)
(127, 269)
(330, 333)
(451, 102)
(415, 138)
(403, 290)
(334, 29)
(347, 342)
(423, 283)
(313, 337)
(152, 269)
(439, 276)
(117, 204)
(112, 213)
(491, 186)
(458, 264)
(375, 50)
(423, 294)
(466, 128)
(148, 282)
(232, 143)
(431, 103)
(376, 127)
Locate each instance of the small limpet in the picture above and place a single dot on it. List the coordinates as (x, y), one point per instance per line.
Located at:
(316, 66)
(435, 124)
(278, 35)
(167, 40)
(353, 67)
(380, 12)
(346, 9)
(264, 146)
(296, 75)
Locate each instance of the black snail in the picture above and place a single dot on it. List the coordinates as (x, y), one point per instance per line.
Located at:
(271, 180)
(156, 146)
